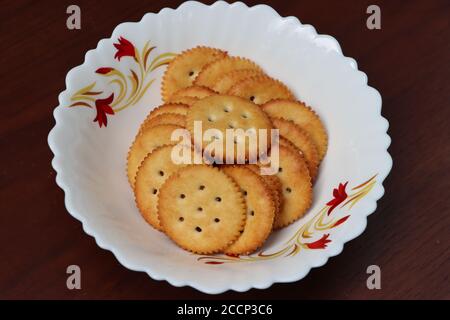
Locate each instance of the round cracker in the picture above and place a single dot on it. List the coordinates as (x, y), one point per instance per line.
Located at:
(296, 186)
(273, 182)
(176, 108)
(282, 141)
(225, 82)
(214, 70)
(304, 117)
(300, 139)
(165, 118)
(152, 173)
(260, 210)
(145, 142)
(184, 68)
(260, 89)
(223, 112)
(198, 92)
(201, 209)
(189, 101)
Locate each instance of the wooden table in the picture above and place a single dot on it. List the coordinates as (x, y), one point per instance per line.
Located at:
(408, 237)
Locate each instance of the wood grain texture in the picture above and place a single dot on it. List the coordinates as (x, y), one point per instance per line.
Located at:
(408, 237)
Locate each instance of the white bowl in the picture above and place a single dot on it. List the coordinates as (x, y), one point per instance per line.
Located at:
(90, 160)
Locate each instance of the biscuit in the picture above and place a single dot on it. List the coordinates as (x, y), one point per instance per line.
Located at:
(201, 209)
(208, 208)
(274, 183)
(302, 116)
(184, 68)
(300, 139)
(189, 101)
(260, 210)
(225, 82)
(223, 112)
(211, 72)
(152, 173)
(296, 185)
(164, 118)
(145, 142)
(260, 89)
(285, 142)
(176, 108)
(194, 92)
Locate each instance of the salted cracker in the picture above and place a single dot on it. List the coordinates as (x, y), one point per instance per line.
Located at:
(145, 142)
(300, 139)
(201, 209)
(304, 117)
(260, 89)
(260, 210)
(184, 68)
(212, 72)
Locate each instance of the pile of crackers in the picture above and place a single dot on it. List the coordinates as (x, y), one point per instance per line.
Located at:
(209, 208)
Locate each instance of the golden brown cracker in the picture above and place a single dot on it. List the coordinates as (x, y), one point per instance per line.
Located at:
(273, 182)
(226, 81)
(304, 117)
(145, 142)
(260, 89)
(184, 68)
(198, 92)
(223, 112)
(301, 139)
(214, 70)
(152, 173)
(285, 142)
(296, 185)
(201, 209)
(189, 101)
(260, 210)
(165, 118)
(176, 108)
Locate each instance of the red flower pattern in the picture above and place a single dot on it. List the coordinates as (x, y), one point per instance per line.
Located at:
(104, 70)
(103, 108)
(124, 49)
(319, 244)
(339, 195)
(340, 221)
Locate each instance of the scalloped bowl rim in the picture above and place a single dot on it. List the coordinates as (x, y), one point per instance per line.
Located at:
(332, 44)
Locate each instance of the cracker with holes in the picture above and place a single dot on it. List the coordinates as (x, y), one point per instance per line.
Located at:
(221, 112)
(152, 173)
(302, 116)
(296, 187)
(212, 72)
(225, 82)
(260, 210)
(198, 92)
(301, 140)
(273, 182)
(260, 89)
(201, 209)
(184, 68)
(145, 142)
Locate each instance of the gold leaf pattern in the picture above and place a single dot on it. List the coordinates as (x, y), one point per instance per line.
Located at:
(130, 88)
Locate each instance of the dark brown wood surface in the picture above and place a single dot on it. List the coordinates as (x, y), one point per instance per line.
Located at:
(408, 61)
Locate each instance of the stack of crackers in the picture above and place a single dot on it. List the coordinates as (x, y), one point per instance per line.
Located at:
(209, 208)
